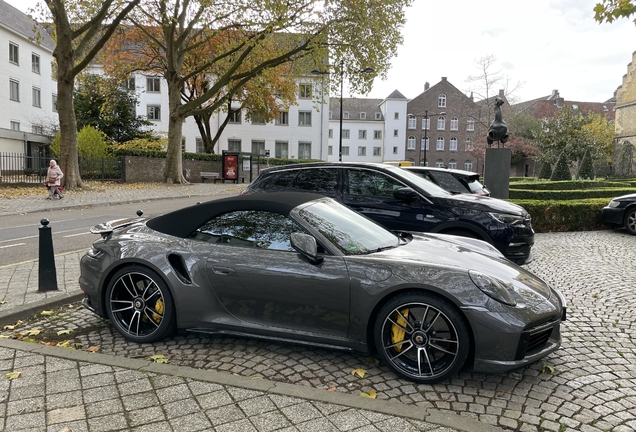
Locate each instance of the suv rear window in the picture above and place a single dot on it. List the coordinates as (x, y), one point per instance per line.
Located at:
(317, 180)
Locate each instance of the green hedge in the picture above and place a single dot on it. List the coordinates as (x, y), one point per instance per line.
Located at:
(562, 195)
(572, 185)
(558, 216)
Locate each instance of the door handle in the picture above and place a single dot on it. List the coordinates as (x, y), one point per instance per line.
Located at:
(223, 270)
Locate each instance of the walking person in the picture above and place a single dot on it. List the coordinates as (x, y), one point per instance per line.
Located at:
(53, 177)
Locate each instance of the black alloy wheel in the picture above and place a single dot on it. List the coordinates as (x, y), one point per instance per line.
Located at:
(139, 305)
(422, 337)
(630, 221)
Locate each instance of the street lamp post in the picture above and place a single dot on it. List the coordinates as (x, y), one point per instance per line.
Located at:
(317, 72)
(428, 125)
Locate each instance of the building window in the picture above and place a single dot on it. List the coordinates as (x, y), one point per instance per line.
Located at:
(330, 115)
(54, 107)
(36, 97)
(305, 91)
(15, 125)
(426, 123)
(330, 133)
(258, 119)
(441, 101)
(377, 134)
(304, 150)
(410, 143)
(153, 112)
(441, 123)
(234, 145)
(200, 148)
(304, 118)
(363, 116)
(345, 134)
(362, 151)
(395, 150)
(439, 163)
(283, 118)
(396, 116)
(35, 63)
(345, 115)
(330, 151)
(129, 83)
(345, 150)
(468, 165)
(440, 144)
(470, 125)
(281, 149)
(452, 164)
(378, 116)
(14, 53)
(425, 144)
(452, 145)
(14, 90)
(235, 116)
(153, 84)
(395, 132)
(454, 124)
(37, 129)
(258, 147)
(412, 122)
(469, 144)
(377, 151)
(362, 134)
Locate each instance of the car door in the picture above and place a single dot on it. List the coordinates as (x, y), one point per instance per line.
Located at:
(371, 193)
(260, 279)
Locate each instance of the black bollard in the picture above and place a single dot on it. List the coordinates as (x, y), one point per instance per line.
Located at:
(47, 276)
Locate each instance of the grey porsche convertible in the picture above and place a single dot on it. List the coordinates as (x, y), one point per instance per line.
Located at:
(299, 267)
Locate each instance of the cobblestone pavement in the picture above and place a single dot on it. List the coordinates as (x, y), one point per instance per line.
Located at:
(587, 385)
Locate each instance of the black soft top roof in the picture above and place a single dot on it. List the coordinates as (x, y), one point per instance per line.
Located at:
(183, 222)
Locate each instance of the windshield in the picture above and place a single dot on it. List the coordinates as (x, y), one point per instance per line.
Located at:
(350, 232)
(426, 185)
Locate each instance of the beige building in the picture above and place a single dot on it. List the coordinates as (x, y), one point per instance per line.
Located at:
(625, 121)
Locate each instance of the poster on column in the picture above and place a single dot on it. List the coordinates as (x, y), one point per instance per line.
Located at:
(230, 166)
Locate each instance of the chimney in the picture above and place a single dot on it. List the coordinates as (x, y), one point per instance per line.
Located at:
(555, 94)
(443, 79)
(426, 85)
(471, 96)
(558, 102)
(501, 93)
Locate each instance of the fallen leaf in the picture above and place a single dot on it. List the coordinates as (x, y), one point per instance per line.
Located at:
(18, 335)
(47, 313)
(9, 327)
(64, 332)
(332, 389)
(65, 344)
(371, 395)
(33, 332)
(547, 369)
(159, 358)
(359, 372)
(93, 349)
(28, 339)
(372, 360)
(2, 302)
(12, 375)
(4, 337)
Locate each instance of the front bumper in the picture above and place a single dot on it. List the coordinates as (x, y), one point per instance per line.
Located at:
(614, 215)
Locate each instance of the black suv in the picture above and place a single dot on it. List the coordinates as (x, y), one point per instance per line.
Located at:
(401, 200)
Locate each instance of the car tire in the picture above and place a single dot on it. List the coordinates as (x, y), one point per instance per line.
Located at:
(630, 221)
(422, 337)
(139, 305)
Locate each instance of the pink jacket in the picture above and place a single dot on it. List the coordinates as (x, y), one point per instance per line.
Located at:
(54, 173)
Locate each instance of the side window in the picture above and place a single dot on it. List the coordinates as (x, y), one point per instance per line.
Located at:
(250, 229)
(370, 183)
(317, 180)
(283, 180)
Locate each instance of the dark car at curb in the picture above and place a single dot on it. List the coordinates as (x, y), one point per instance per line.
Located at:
(303, 268)
(452, 180)
(401, 200)
(622, 211)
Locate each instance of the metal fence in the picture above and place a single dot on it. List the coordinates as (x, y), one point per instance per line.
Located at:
(19, 168)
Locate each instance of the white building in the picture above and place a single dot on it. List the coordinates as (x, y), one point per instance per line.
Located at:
(28, 93)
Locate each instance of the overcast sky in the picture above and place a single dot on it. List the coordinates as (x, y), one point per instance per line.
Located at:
(545, 44)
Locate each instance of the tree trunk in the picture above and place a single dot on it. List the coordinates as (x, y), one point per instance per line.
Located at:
(174, 165)
(68, 133)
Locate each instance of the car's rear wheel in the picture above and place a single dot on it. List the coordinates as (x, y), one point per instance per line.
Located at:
(630, 221)
(139, 305)
(422, 337)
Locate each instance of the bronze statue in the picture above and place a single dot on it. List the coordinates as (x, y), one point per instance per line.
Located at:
(498, 130)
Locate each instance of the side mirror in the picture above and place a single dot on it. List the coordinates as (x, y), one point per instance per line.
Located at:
(306, 245)
(405, 194)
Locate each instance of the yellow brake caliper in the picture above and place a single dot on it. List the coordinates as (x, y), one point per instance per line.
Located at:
(397, 334)
(159, 309)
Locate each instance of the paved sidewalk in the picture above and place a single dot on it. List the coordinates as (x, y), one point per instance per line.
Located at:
(61, 389)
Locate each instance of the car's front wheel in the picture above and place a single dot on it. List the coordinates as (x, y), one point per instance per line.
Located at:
(422, 337)
(139, 305)
(630, 221)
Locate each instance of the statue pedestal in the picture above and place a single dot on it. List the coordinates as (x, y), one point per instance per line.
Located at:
(497, 172)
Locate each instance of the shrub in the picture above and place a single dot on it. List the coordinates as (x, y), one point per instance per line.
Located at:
(586, 170)
(561, 170)
(546, 171)
(91, 143)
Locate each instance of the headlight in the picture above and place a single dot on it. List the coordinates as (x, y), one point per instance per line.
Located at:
(614, 203)
(509, 219)
(93, 253)
(493, 287)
